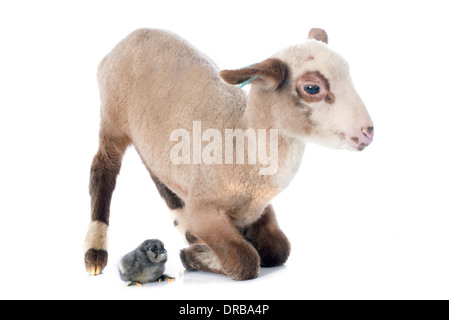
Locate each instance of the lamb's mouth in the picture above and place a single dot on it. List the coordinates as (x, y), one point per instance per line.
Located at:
(352, 144)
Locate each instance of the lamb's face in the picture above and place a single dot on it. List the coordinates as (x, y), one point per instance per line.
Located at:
(318, 101)
(308, 93)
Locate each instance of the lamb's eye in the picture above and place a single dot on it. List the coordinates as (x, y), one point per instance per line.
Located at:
(312, 89)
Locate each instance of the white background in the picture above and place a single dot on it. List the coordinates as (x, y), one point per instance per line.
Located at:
(369, 225)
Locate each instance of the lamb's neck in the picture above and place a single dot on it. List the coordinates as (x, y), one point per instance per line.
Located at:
(257, 115)
(290, 149)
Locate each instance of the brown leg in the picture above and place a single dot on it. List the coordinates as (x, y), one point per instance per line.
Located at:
(270, 242)
(225, 250)
(103, 175)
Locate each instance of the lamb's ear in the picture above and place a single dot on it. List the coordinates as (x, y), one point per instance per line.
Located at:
(270, 73)
(318, 34)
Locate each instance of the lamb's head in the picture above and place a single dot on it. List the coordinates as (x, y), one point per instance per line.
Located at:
(306, 91)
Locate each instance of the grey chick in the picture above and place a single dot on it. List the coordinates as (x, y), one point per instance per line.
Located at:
(145, 264)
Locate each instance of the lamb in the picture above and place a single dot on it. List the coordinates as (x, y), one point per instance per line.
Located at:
(154, 83)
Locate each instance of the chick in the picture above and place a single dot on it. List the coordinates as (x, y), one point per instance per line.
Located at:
(145, 264)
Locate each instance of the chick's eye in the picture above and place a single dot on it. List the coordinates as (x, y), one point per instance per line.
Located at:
(153, 249)
(312, 89)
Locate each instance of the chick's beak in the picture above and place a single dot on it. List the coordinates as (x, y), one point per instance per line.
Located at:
(159, 251)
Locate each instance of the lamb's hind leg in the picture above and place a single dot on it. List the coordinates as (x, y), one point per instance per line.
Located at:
(103, 175)
(224, 250)
(268, 239)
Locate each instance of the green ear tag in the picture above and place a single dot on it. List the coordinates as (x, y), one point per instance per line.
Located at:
(247, 81)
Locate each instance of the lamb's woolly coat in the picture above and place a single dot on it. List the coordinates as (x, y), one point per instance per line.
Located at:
(154, 82)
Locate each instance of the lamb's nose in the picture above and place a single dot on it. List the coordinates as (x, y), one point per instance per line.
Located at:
(368, 132)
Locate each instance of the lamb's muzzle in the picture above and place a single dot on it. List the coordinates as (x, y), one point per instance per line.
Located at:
(364, 138)
(368, 133)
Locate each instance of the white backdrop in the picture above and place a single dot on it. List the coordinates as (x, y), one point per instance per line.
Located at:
(370, 225)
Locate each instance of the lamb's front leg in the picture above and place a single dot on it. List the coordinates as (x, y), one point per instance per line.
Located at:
(224, 250)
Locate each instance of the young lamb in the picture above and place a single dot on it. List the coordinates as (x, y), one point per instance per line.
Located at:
(154, 83)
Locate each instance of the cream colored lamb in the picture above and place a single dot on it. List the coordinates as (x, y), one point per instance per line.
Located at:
(189, 122)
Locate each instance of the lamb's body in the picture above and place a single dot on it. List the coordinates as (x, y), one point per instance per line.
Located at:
(154, 82)
(161, 85)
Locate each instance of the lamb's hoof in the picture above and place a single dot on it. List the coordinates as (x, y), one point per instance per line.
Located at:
(201, 258)
(187, 260)
(96, 261)
(195, 258)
